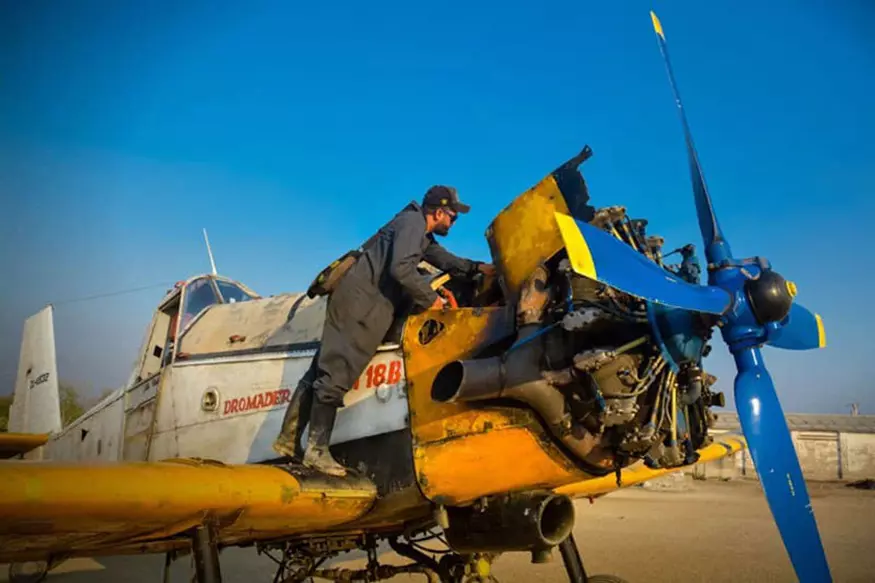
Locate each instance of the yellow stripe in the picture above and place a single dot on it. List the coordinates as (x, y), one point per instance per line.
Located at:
(578, 251)
(657, 26)
(821, 331)
(723, 446)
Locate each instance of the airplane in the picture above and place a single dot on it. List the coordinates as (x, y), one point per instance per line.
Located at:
(575, 372)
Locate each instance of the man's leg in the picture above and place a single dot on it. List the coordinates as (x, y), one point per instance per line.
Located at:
(356, 320)
(339, 365)
(343, 355)
(288, 442)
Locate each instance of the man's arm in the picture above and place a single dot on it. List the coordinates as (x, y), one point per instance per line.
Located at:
(446, 261)
(406, 255)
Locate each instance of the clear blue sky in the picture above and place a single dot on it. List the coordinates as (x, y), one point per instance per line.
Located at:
(292, 130)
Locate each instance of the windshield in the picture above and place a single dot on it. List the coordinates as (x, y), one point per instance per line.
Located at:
(198, 295)
(232, 293)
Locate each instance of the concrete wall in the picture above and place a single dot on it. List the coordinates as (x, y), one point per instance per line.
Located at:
(858, 456)
(818, 453)
(823, 455)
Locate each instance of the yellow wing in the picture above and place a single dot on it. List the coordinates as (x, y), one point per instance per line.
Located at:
(638, 473)
(101, 508)
(13, 444)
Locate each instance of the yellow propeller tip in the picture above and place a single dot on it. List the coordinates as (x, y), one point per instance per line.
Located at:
(657, 26)
(792, 289)
(821, 331)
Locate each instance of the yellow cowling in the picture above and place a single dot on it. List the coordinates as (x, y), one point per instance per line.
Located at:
(464, 451)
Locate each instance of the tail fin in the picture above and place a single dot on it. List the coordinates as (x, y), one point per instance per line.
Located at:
(36, 404)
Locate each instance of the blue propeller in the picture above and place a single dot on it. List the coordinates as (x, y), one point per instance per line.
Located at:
(754, 306)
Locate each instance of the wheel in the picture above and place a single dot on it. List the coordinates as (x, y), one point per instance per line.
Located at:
(605, 579)
(451, 568)
(29, 572)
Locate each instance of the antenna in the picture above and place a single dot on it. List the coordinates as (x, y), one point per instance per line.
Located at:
(210, 252)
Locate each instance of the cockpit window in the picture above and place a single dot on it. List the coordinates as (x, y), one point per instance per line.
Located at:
(231, 293)
(198, 295)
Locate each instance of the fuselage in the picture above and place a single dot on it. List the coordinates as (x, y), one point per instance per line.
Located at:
(224, 400)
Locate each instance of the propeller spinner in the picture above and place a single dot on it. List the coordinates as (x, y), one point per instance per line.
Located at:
(753, 305)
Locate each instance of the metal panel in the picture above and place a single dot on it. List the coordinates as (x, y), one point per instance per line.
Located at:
(162, 443)
(99, 436)
(139, 417)
(138, 424)
(154, 353)
(232, 408)
(248, 326)
(305, 326)
(519, 243)
(462, 451)
(142, 393)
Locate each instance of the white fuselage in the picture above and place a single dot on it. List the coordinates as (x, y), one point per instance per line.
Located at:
(214, 379)
(227, 409)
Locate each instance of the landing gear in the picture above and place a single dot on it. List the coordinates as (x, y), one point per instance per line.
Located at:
(29, 572)
(573, 561)
(205, 551)
(300, 562)
(574, 565)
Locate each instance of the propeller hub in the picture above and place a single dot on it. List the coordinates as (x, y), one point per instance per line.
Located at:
(770, 297)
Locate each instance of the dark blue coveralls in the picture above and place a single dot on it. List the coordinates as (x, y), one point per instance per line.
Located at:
(384, 280)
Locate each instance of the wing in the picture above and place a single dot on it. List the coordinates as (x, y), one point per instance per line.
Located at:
(13, 444)
(88, 509)
(638, 473)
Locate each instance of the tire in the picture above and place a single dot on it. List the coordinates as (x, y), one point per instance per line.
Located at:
(29, 572)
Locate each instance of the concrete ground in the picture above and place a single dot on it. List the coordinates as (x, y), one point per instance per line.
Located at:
(705, 531)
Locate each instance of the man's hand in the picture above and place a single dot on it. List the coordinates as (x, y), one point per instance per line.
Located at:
(486, 268)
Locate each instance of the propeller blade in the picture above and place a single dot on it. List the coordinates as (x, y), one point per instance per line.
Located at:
(802, 330)
(716, 246)
(774, 457)
(596, 255)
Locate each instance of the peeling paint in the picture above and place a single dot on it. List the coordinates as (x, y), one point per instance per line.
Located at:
(288, 494)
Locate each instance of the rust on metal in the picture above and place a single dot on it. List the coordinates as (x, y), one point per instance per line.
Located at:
(519, 244)
(255, 325)
(461, 451)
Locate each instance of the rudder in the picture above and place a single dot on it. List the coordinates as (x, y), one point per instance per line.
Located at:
(36, 406)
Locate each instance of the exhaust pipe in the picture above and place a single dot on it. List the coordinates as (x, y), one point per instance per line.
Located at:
(517, 375)
(522, 521)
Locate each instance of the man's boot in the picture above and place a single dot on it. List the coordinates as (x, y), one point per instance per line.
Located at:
(317, 455)
(288, 442)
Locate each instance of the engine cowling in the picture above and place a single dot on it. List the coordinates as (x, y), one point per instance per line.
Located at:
(587, 361)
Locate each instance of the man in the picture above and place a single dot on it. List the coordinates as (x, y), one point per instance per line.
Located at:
(383, 281)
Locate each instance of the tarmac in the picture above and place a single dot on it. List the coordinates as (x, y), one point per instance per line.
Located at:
(709, 531)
